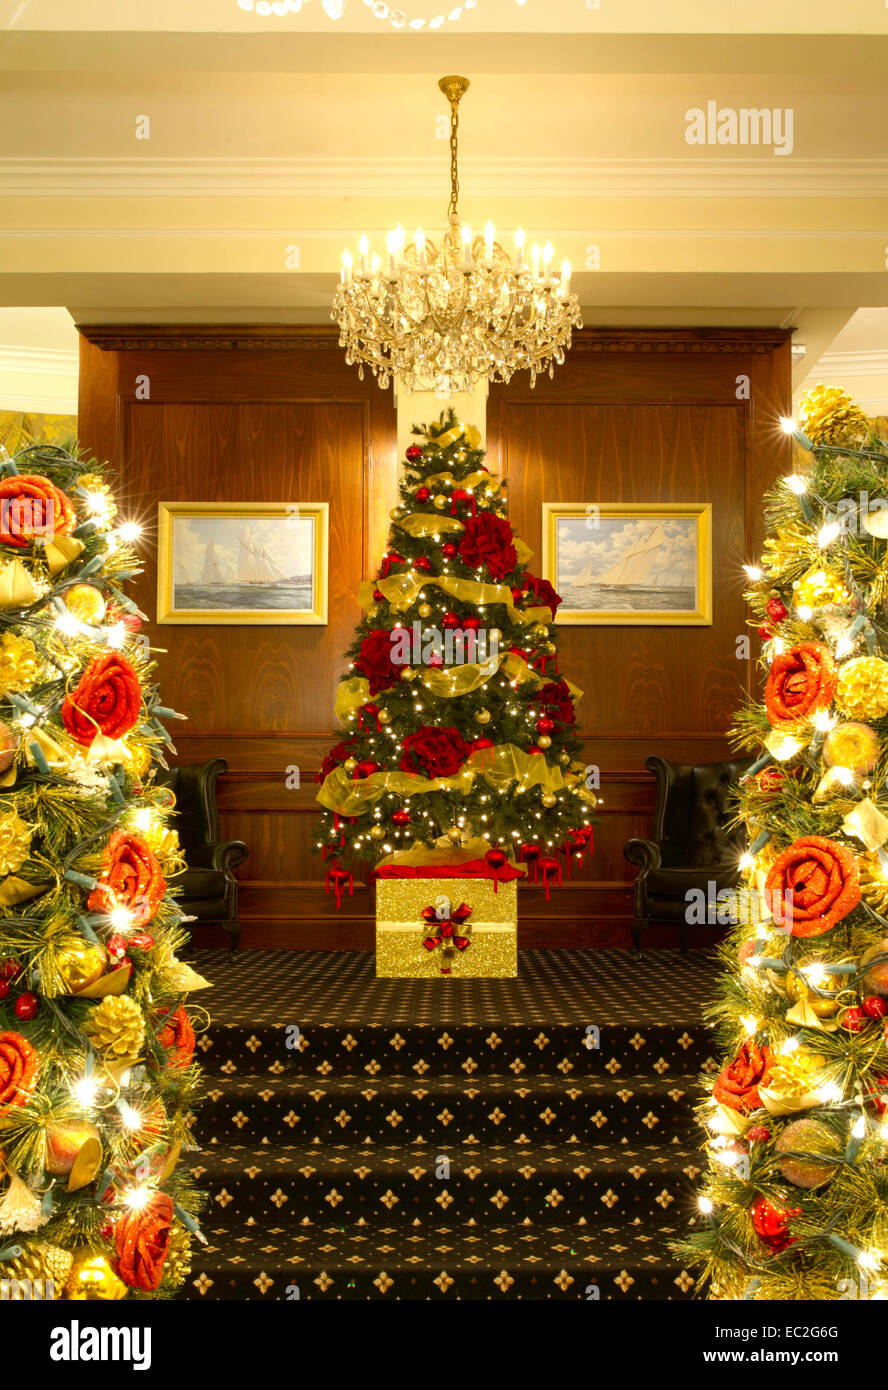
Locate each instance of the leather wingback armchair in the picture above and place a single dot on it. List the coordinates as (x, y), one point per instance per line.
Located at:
(208, 886)
(693, 844)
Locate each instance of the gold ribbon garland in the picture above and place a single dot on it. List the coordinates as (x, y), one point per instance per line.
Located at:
(401, 590)
(448, 682)
(17, 587)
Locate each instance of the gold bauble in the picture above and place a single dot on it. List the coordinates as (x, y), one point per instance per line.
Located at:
(440, 501)
(92, 1278)
(377, 832)
(79, 963)
(407, 673)
(85, 603)
(350, 764)
(494, 634)
(851, 745)
(455, 834)
(830, 416)
(540, 629)
(803, 1137)
(549, 799)
(550, 648)
(862, 690)
(398, 513)
(15, 842)
(564, 759)
(18, 663)
(819, 587)
(483, 716)
(425, 610)
(116, 1026)
(384, 717)
(544, 741)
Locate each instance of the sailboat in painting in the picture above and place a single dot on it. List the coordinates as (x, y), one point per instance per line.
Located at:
(648, 575)
(240, 567)
(254, 564)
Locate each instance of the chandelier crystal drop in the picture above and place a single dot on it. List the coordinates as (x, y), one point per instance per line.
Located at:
(448, 315)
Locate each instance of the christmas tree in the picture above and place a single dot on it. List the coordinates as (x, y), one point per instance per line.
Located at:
(96, 1043)
(458, 727)
(796, 1201)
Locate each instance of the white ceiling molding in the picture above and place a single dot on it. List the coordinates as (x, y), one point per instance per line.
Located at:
(855, 363)
(31, 361)
(728, 177)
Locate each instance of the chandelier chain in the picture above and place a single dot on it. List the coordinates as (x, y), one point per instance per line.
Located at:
(454, 157)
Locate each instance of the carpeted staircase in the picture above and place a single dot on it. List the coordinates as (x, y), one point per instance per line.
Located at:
(460, 1139)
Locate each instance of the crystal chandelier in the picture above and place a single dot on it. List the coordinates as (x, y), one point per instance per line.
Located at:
(448, 316)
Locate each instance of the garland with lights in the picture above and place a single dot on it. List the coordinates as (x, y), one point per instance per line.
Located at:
(795, 1204)
(458, 727)
(97, 1081)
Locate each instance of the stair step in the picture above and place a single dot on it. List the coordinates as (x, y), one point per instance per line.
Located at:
(487, 1183)
(454, 1049)
(445, 1110)
(381, 1260)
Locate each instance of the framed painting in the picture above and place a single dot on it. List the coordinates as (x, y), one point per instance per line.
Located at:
(250, 563)
(622, 563)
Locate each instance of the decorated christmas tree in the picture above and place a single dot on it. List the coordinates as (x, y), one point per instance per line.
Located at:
(96, 1043)
(796, 1201)
(458, 725)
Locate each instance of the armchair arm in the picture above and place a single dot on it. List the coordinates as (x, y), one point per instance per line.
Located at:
(644, 853)
(228, 854)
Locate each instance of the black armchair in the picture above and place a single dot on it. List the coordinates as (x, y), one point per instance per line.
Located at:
(209, 887)
(691, 846)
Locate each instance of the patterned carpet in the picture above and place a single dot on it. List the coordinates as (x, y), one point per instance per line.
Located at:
(529, 1138)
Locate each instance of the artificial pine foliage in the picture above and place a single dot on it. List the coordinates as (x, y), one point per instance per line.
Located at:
(94, 1103)
(442, 744)
(795, 1205)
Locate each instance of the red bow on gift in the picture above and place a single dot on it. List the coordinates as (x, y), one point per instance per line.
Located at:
(541, 661)
(459, 497)
(338, 878)
(386, 563)
(446, 933)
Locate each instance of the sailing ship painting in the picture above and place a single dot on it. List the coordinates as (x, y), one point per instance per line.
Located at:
(620, 564)
(247, 562)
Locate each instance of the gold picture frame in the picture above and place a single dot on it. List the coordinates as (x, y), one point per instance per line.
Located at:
(242, 563)
(631, 546)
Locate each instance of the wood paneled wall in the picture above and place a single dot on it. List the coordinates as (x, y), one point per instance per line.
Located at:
(275, 414)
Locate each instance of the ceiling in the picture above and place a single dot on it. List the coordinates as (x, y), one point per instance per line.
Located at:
(275, 142)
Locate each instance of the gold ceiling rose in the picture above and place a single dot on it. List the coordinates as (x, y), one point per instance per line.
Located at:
(448, 316)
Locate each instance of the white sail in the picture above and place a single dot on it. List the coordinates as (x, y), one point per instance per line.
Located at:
(213, 571)
(639, 567)
(255, 565)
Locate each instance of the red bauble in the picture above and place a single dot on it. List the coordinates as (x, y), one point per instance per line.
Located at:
(413, 453)
(401, 817)
(471, 624)
(877, 1094)
(365, 768)
(27, 1006)
(422, 563)
(496, 858)
(378, 595)
(422, 494)
(448, 549)
(545, 725)
(533, 749)
(776, 610)
(4, 988)
(874, 1006)
(854, 1019)
(450, 620)
(9, 969)
(517, 595)
(759, 1134)
(765, 633)
(481, 743)
(771, 1223)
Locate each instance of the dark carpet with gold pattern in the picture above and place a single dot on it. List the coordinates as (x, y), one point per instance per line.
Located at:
(463, 1139)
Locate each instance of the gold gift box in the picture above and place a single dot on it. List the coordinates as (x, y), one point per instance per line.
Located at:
(492, 929)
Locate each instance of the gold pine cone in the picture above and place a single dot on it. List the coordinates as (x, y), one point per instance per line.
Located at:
(178, 1262)
(116, 1026)
(46, 1262)
(862, 690)
(15, 843)
(831, 416)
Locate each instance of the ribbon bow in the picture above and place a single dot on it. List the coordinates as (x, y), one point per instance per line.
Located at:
(446, 920)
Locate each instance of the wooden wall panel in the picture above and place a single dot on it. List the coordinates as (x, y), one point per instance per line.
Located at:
(275, 414)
